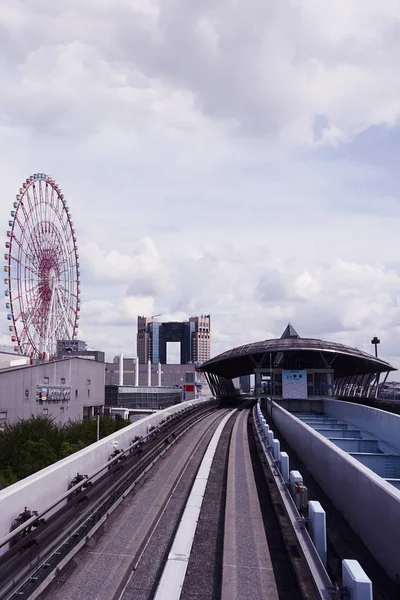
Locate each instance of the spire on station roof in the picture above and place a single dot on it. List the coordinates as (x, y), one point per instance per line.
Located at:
(289, 332)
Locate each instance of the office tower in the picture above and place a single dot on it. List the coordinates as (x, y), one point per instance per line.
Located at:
(193, 336)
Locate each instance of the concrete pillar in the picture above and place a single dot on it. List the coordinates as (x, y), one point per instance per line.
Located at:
(121, 369)
(317, 519)
(159, 374)
(149, 373)
(270, 437)
(257, 384)
(137, 372)
(284, 461)
(276, 448)
(356, 580)
(329, 380)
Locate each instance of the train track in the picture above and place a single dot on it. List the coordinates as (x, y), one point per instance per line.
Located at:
(29, 565)
(233, 548)
(206, 523)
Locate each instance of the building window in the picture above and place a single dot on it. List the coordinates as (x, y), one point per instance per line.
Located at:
(62, 409)
(76, 393)
(3, 415)
(89, 381)
(46, 379)
(62, 380)
(26, 394)
(88, 393)
(45, 411)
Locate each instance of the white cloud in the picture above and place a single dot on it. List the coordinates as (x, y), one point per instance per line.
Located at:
(209, 156)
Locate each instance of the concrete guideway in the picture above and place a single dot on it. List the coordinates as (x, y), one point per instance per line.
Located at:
(101, 570)
(247, 566)
(173, 576)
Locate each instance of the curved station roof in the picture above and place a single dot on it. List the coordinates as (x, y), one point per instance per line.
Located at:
(290, 351)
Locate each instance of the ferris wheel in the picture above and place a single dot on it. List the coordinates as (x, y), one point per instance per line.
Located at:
(42, 270)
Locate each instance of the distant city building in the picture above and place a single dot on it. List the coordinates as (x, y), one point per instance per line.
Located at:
(68, 348)
(59, 389)
(193, 335)
(154, 398)
(171, 375)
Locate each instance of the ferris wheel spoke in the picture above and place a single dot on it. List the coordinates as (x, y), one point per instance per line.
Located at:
(27, 322)
(32, 306)
(64, 314)
(20, 245)
(32, 289)
(27, 195)
(28, 267)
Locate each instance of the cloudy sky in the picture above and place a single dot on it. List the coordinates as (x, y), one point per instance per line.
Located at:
(236, 158)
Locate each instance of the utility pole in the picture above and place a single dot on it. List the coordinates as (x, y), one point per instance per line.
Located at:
(375, 341)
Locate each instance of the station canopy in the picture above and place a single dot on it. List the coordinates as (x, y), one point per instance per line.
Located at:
(291, 351)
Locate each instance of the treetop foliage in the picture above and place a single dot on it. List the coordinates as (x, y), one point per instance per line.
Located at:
(30, 445)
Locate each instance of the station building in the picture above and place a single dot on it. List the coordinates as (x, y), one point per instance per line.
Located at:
(296, 368)
(61, 389)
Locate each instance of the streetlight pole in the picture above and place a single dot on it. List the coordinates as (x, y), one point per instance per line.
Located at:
(375, 341)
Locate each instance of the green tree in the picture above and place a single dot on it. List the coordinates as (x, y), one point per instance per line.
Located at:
(28, 446)
(7, 477)
(34, 456)
(67, 448)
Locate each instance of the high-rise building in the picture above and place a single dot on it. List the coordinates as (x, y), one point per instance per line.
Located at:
(193, 335)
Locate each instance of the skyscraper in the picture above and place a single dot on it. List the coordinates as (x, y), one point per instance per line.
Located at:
(193, 335)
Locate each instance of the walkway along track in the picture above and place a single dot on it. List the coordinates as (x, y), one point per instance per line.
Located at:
(28, 567)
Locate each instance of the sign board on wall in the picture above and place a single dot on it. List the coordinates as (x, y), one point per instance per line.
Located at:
(294, 384)
(54, 394)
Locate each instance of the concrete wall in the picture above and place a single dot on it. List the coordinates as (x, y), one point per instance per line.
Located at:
(40, 489)
(384, 425)
(369, 504)
(19, 389)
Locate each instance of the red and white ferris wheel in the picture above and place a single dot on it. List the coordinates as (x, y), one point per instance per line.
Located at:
(42, 270)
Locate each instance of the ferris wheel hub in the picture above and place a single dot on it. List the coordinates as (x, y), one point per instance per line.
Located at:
(52, 279)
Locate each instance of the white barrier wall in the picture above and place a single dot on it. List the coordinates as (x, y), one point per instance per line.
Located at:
(384, 425)
(369, 504)
(41, 489)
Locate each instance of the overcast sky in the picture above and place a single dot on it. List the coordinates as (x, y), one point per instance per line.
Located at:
(233, 158)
